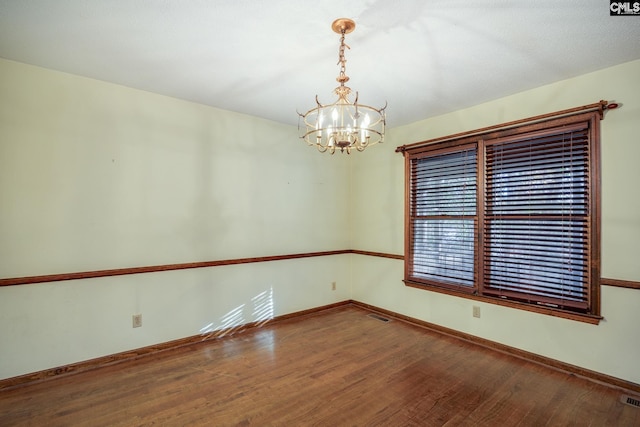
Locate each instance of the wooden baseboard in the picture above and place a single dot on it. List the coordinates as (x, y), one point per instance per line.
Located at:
(112, 359)
(522, 354)
(99, 362)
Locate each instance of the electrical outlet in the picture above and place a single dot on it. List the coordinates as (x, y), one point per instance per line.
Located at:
(476, 311)
(333, 286)
(137, 320)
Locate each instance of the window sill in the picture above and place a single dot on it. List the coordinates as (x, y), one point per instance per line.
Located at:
(586, 318)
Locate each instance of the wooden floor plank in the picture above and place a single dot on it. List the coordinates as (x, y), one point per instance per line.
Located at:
(338, 367)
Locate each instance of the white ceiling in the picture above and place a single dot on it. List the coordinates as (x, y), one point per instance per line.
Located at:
(270, 58)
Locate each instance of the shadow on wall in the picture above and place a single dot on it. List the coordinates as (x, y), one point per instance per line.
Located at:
(236, 320)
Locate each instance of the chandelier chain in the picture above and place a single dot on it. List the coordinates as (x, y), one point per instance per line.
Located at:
(342, 78)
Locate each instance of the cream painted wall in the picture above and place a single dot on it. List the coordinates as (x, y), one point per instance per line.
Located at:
(95, 176)
(613, 347)
(99, 176)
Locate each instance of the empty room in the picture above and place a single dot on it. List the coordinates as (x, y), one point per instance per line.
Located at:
(276, 213)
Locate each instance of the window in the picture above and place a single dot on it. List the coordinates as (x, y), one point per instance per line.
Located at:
(509, 214)
(443, 217)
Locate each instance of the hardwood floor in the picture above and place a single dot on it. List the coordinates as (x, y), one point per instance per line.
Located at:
(339, 367)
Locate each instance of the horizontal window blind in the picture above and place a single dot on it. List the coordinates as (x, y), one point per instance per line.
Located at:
(509, 214)
(536, 221)
(443, 217)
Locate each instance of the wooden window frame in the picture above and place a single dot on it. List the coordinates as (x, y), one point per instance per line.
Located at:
(590, 114)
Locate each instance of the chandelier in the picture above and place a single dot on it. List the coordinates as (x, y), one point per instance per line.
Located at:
(343, 125)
